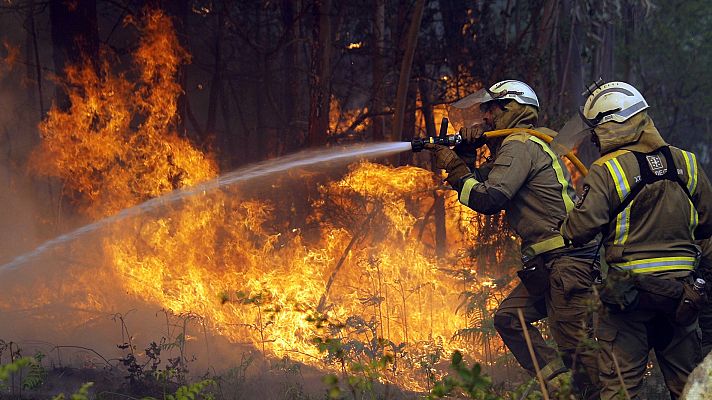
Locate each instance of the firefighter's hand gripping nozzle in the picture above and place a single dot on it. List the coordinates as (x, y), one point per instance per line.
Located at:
(418, 144)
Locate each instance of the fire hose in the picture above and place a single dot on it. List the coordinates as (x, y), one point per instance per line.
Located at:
(418, 144)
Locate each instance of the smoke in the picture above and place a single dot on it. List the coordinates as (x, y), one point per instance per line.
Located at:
(17, 213)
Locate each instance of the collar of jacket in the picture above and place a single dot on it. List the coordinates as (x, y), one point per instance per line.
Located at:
(514, 115)
(637, 134)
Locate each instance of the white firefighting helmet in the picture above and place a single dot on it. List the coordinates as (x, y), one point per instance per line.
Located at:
(467, 112)
(515, 90)
(613, 101)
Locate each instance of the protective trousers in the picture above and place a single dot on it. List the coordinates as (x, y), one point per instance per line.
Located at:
(625, 339)
(569, 304)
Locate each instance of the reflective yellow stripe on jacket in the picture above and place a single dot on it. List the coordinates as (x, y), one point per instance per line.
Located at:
(466, 189)
(691, 166)
(568, 203)
(555, 242)
(623, 188)
(547, 244)
(658, 264)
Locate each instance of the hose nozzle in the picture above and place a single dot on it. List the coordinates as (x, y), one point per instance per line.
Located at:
(418, 144)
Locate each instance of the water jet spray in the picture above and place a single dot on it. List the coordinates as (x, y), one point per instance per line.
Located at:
(304, 159)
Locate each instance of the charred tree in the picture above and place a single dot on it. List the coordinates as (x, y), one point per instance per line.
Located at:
(216, 79)
(629, 33)
(570, 60)
(406, 65)
(33, 69)
(438, 199)
(293, 77)
(75, 38)
(180, 10)
(604, 36)
(378, 72)
(320, 75)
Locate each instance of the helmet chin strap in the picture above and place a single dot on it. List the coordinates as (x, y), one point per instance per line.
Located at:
(500, 133)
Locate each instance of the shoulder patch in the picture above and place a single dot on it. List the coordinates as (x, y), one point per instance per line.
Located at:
(610, 156)
(656, 164)
(503, 160)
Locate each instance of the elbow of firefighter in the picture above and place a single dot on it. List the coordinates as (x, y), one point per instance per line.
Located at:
(488, 203)
(577, 239)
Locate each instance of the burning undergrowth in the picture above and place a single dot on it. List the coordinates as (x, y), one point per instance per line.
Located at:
(347, 276)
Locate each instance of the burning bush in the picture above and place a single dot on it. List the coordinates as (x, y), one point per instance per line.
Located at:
(117, 146)
(370, 269)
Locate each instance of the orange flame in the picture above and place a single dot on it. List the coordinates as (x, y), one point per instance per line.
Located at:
(93, 147)
(226, 256)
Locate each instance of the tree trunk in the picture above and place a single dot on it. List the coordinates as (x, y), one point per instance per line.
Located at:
(628, 37)
(545, 32)
(180, 10)
(216, 81)
(289, 65)
(603, 56)
(571, 67)
(320, 95)
(75, 37)
(378, 125)
(256, 143)
(406, 65)
(33, 72)
(438, 200)
(547, 47)
(409, 124)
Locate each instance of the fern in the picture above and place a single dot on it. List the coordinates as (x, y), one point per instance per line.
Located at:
(470, 381)
(191, 392)
(35, 377)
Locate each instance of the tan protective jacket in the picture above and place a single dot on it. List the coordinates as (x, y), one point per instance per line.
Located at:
(528, 181)
(655, 233)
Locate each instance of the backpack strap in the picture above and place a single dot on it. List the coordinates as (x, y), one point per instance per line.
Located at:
(651, 171)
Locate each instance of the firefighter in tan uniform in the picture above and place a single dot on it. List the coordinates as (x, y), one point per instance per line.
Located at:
(650, 200)
(527, 180)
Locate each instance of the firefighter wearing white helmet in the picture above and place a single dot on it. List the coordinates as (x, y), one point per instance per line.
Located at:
(469, 112)
(512, 90)
(614, 101)
(650, 201)
(527, 180)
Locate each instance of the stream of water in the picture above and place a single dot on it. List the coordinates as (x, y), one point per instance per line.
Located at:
(333, 155)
